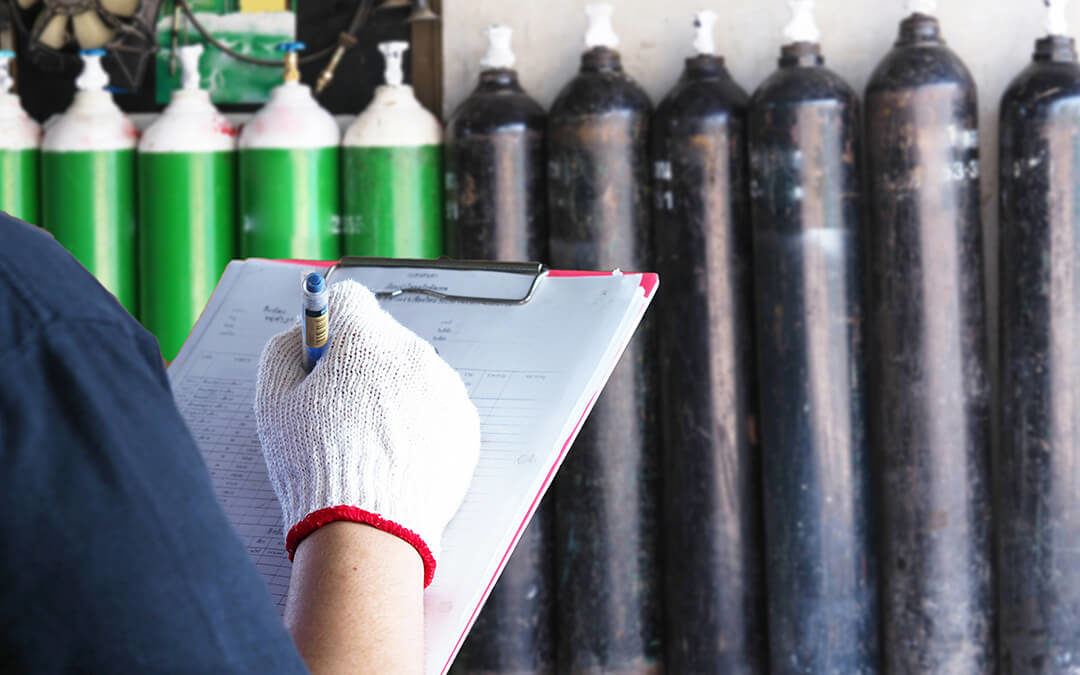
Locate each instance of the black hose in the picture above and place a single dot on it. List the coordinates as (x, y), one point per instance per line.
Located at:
(16, 16)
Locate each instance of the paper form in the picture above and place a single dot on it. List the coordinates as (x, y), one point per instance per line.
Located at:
(531, 370)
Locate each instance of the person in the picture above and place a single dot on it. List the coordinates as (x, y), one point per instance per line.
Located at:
(116, 555)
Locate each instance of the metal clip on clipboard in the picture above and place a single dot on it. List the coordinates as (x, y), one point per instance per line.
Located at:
(536, 270)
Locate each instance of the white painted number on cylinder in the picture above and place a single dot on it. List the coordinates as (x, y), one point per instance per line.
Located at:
(962, 170)
(963, 138)
(662, 170)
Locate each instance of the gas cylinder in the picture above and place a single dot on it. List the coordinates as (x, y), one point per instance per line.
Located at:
(1039, 471)
(608, 612)
(495, 200)
(392, 194)
(289, 174)
(186, 169)
(20, 137)
(496, 210)
(88, 182)
(805, 204)
(712, 531)
(930, 391)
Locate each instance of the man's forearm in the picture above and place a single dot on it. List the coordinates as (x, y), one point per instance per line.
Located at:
(356, 601)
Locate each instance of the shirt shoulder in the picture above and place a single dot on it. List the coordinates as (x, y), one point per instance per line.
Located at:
(112, 518)
(41, 283)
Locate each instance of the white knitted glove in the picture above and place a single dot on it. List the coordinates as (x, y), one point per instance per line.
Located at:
(380, 432)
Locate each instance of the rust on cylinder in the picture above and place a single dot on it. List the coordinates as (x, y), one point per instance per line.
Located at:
(806, 205)
(712, 531)
(606, 574)
(930, 393)
(1038, 500)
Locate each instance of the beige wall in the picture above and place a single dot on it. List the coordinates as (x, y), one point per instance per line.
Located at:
(993, 37)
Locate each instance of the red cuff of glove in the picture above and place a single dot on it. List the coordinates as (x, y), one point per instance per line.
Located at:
(317, 519)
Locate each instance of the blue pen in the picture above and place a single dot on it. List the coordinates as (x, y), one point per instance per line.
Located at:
(316, 324)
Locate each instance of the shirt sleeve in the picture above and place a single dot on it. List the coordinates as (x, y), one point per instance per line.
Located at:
(114, 554)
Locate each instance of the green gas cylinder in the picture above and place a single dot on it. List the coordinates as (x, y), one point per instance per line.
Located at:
(19, 140)
(88, 182)
(187, 208)
(289, 174)
(392, 186)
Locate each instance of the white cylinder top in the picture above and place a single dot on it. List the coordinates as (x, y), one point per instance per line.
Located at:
(600, 32)
(394, 119)
(17, 130)
(6, 83)
(291, 119)
(499, 54)
(190, 123)
(703, 27)
(927, 7)
(189, 62)
(802, 27)
(93, 122)
(393, 52)
(93, 75)
(1056, 23)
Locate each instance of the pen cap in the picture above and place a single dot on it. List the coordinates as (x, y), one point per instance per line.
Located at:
(314, 291)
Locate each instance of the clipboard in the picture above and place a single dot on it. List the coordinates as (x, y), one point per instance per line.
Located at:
(534, 347)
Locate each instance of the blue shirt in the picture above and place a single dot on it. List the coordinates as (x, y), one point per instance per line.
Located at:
(116, 557)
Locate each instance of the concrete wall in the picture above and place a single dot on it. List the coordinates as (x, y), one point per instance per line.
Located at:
(993, 37)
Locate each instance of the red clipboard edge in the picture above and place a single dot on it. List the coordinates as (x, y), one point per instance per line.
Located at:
(307, 263)
(649, 280)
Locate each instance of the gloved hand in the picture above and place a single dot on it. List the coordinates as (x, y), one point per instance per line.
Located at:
(380, 432)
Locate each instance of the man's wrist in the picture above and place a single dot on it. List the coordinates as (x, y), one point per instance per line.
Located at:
(318, 520)
(378, 545)
(356, 597)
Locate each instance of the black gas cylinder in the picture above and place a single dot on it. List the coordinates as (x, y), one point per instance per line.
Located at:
(712, 530)
(496, 202)
(930, 390)
(497, 210)
(1039, 470)
(805, 203)
(607, 579)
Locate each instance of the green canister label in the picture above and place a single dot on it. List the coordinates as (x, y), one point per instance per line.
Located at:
(19, 183)
(392, 201)
(90, 209)
(187, 235)
(289, 203)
